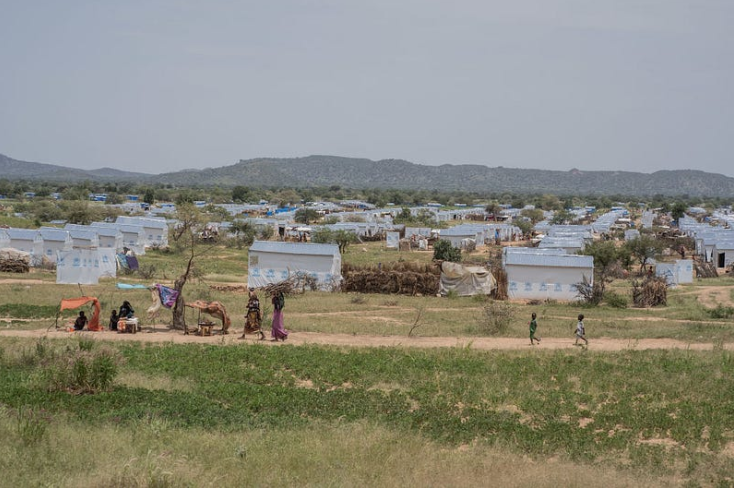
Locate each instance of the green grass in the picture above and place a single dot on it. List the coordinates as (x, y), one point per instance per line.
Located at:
(665, 413)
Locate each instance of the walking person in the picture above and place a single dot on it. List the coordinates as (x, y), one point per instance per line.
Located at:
(254, 316)
(580, 331)
(278, 331)
(533, 327)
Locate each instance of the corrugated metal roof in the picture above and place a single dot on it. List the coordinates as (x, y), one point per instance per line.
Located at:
(295, 248)
(549, 260)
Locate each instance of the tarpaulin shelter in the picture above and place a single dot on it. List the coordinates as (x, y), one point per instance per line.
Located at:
(72, 303)
(465, 280)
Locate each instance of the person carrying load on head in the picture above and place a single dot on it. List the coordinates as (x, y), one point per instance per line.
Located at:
(254, 316)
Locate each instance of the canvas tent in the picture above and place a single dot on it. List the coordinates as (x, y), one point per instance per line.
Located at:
(465, 280)
(273, 262)
(53, 240)
(26, 240)
(155, 230)
(72, 303)
(392, 240)
(543, 276)
(78, 266)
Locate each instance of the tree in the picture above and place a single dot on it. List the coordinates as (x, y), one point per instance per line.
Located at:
(493, 209)
(306, 215)
(562, 217)
(343, 238)
(186, 237)
(240, 194)
(534, 214)
(443, 250)
(605, 255)
(678, 211)
(149, 196)
(643, 248)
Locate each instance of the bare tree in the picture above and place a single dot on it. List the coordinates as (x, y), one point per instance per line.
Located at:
(186, 238)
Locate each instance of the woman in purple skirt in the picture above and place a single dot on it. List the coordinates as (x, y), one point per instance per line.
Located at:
(278, 331)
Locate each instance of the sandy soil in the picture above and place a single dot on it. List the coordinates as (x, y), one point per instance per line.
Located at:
(162, 335)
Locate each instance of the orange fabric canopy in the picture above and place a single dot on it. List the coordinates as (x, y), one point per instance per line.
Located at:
(72, 303)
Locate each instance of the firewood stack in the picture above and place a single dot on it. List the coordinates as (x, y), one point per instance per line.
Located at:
(14, 261)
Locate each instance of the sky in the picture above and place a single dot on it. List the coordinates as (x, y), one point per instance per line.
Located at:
(162, 85)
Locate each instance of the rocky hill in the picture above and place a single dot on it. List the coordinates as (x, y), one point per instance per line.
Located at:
(315, 171)
(400, 174)
(14, 169)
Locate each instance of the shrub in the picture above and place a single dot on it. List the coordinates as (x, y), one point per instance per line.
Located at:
(358, 299)
(80, 370)
(720, 312)
(444, 251)
(32, 425)
(496, 317)
(615, 300)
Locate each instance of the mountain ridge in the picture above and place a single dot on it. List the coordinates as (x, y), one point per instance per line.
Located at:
(398, 174)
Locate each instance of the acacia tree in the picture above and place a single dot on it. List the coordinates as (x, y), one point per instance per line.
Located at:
(643, 248)
(186, 239)
(605, 255)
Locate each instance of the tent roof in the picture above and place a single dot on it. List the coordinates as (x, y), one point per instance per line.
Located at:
(299, 248)
(550, 260)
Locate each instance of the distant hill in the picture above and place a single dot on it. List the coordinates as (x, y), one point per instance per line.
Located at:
(315, 171)
(400, 174)
(14, 169)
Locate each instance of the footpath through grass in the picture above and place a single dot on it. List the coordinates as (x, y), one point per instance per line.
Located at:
(669, 414)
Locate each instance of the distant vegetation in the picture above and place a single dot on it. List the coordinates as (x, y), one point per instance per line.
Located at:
(340, 172)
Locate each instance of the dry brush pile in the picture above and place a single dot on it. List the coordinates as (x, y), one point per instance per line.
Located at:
(651, 292)
(14, 261)
(393, 278)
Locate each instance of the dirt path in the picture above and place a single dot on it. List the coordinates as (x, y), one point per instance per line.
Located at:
(163, 335)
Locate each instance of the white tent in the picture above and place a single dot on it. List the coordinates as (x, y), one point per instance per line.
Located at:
(26, 240)
(465, 280)
(107, 262)
(392, 240)
(273, 262)
(80, 266)
(546, 276)
(684, 270)
(155, 230)
(52, 240)
(133, 236)
(668, 271)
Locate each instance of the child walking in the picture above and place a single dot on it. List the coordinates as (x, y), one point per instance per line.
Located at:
(580, 331)
(533, 327)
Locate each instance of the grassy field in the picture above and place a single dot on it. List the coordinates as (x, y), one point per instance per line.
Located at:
(256, 415)
(250, 415)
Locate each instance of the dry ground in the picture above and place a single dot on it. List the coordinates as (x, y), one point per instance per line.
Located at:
(161, 334)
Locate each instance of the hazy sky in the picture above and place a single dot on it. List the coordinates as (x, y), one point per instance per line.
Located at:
(156, 85)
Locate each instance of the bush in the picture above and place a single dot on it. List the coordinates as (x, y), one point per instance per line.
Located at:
(615, 300)
(720, 312)
(82, 369)
(444, 251)
(496, 317)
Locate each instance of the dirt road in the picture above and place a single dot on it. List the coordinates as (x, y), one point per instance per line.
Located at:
(163, 335)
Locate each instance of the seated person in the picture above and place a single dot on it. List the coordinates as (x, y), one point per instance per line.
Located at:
(80, 322)
(126, 309)
(113, 320)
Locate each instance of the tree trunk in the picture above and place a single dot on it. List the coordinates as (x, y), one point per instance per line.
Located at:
(179, 309)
